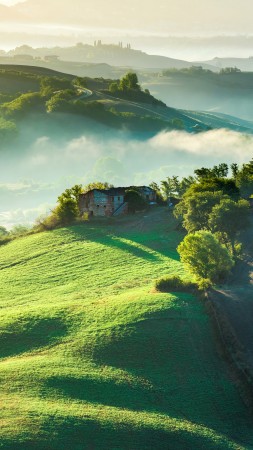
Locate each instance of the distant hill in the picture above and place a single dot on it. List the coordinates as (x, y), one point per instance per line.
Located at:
(244, 64)
(19, 97)
(115, 55)
(228, 93)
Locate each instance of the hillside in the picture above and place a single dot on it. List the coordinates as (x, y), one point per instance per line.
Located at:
(244, 64)
(27, 92)
(99, 53)
(200, 90)
(92, 357)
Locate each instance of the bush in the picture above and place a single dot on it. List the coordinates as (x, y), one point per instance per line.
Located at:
(175, 284)
(47, 223)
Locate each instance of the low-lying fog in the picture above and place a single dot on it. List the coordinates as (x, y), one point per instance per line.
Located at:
(40, 166)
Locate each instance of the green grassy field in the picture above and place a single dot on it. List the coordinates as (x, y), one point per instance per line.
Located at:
(93, 358)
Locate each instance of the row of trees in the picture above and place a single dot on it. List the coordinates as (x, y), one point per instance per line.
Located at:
(214, 212)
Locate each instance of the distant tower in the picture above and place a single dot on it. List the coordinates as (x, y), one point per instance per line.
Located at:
(95, 43)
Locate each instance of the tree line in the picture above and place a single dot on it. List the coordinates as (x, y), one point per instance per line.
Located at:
(213, 208)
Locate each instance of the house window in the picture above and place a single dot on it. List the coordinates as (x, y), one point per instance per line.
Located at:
(119, 198)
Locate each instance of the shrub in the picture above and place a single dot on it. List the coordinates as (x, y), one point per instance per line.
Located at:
(174, 283)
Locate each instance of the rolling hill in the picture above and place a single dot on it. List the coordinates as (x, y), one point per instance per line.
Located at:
(199, 90)
(138, 113)
(92, 357)
(244, 64)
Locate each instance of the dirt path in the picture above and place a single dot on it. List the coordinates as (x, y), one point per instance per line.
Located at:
(232, 309)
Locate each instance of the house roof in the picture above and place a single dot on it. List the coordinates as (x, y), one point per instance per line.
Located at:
(118, 191)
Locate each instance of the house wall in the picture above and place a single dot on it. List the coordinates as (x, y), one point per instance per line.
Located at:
(148, 194)
(97, 203)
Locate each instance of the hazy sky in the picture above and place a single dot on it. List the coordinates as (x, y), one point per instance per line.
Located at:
(162, 16)
(155, 27)
(9, 2)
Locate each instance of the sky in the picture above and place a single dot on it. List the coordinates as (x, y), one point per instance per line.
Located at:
(148, 26)
(165, 16)
(9, 2)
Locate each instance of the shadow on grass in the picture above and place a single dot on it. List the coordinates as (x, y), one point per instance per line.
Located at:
(158, 349)
(88, 434)
(136, 245)
(144, 350)
(174, 354)
(32, 336)
(106, 392)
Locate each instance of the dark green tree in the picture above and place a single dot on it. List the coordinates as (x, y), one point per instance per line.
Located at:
(229, 218)
(3, 231)
(235, 169)
(66, 211)
(194, 209)
(72, 193)
(205, 257)
(135, 201)
(129, 81)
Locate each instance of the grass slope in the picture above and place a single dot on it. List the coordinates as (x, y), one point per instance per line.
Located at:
(91, 358)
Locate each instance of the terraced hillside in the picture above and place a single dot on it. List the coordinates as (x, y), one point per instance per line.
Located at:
(93, 358)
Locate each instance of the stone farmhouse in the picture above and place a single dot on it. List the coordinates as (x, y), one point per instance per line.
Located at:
(111, 202)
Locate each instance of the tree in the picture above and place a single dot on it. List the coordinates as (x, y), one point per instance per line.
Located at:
(203, 173)
(220, 171)
(113, 88)
(244, 179)
(97, 185)
(80, 82)
(135, 201)
(235, 169)
(228, 218)
(68, 205)
(129, 81)
(205, 257)
(67, 211)
(72, 193)
(3, 231)
(159, 196)
(170, 187)
(49, 85)
(185, 184)
(19, 230)
(195, 209)
(225, 185)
